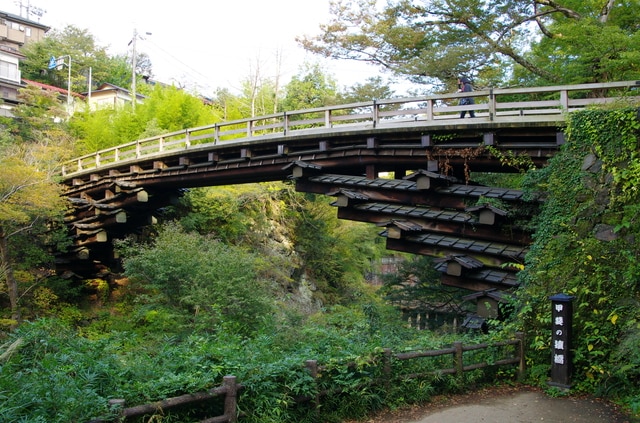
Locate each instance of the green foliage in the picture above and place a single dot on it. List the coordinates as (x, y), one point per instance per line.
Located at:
(334, 253)
(85, 54)
(587, 49)
(433, 42)
(214, 282)
(372, 88)
(504, 180)
(310, 88)
(173, 109)
(49, 372)
(521, 163)
(55, 376)
(297, 235)
(30, 199)
(587, 187)
(165, 109)
(417, 284)
(236, 214)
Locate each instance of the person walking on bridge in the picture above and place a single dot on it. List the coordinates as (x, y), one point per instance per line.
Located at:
(464, 86)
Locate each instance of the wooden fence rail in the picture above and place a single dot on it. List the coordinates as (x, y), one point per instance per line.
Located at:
(230, 387)
(459, 365)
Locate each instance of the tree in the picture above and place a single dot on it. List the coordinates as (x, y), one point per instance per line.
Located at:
(86, 57)
(372, 88)
(165, 109)
(202, 277)
(228, 106)
(311, 87)
(29, 196)
(590, 42)
(173, 109)
(436, 41)
(417, 283)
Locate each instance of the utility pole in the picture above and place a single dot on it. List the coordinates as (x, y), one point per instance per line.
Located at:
(30, 10)
(134, 63)
(59, 63)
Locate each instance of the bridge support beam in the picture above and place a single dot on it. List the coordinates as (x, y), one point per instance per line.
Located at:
(371, 172)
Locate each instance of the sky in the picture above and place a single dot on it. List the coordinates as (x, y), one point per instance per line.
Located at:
(203, 44)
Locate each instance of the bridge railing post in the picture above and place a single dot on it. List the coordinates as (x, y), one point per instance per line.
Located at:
(493, 107)
(285, 123)
(250, 128)
(187, 138)
(564, 100)
(216, 133)
(375, 113)
(430, 104)
(327, 118)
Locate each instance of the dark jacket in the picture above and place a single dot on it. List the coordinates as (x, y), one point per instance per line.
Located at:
(465, 87)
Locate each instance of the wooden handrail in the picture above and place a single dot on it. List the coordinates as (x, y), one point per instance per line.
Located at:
(376, 113)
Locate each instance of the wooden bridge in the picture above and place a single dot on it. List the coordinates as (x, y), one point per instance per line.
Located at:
(403, 164)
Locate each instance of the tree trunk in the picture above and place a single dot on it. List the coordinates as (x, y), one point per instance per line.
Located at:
(6, 271)
(606, 10)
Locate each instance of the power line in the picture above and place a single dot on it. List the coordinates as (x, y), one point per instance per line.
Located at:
(178, 60)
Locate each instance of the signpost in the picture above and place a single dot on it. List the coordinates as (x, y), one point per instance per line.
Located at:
(562, 320)
(59, 63)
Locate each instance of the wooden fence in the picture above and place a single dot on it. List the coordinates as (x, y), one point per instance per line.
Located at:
(230, 387)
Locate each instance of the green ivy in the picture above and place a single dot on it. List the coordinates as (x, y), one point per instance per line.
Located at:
(589, 187)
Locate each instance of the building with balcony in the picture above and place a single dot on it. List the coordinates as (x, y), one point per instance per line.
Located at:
(15, 32)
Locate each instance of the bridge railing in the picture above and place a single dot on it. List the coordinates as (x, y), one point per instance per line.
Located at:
(492, 105)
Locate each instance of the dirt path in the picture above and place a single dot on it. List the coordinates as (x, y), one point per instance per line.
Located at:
(519, 404)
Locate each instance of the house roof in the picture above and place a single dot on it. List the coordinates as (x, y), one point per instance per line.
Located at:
(105, 87)
(20, 19)
(50, 88)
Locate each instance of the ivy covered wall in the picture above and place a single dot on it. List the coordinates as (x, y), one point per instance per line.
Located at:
(587, 245)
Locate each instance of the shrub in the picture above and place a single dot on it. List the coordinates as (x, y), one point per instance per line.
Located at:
(213, 282)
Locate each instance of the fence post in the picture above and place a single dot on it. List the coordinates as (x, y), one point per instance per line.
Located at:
(457, 358)
(312, 367)
(386, 368)
(230, 398)
(522, 364)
